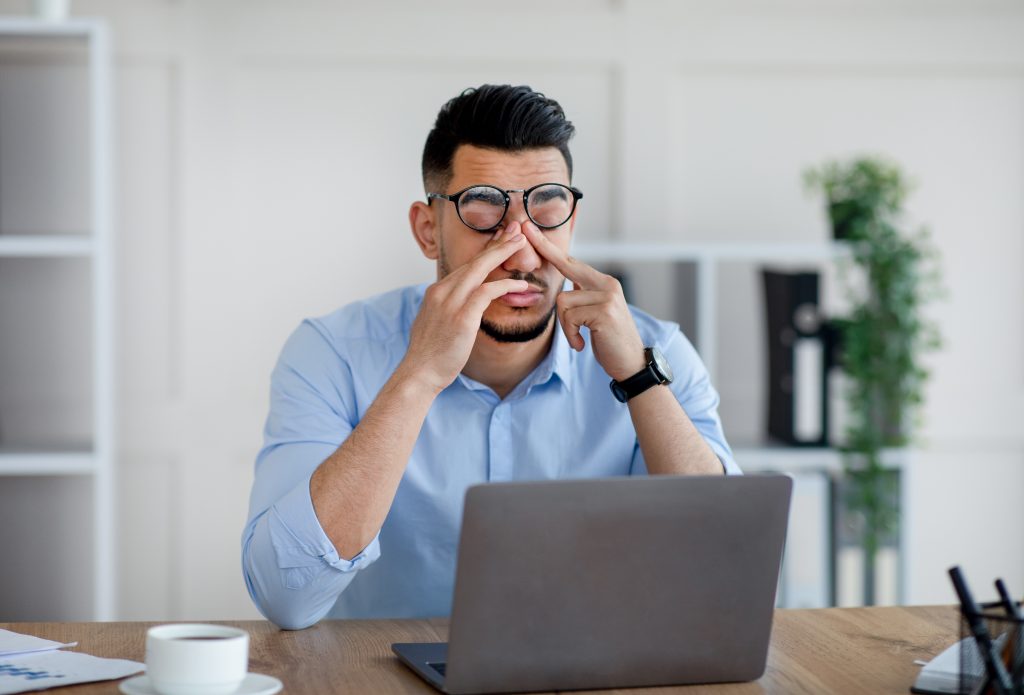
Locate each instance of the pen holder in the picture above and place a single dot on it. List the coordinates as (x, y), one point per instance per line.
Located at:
(1007, 635)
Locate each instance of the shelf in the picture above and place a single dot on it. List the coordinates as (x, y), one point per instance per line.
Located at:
(37, 246)
(707, 257)
(753, 459)
(30, 462)
(30, 26)
(710, 251)
(773, 457)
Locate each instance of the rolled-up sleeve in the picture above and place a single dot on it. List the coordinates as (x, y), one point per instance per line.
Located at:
(293, 572)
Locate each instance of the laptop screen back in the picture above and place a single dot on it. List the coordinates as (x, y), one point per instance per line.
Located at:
(616, 583)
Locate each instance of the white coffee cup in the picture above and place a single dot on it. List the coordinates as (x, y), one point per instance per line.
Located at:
(196, 659)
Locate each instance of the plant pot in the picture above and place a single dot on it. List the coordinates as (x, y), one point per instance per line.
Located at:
(847, 217)
(51, 10)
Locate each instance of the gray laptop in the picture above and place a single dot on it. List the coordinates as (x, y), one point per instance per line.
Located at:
(622, 582)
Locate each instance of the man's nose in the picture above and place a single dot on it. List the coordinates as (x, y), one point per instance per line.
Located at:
(526, 259)
(516, 210)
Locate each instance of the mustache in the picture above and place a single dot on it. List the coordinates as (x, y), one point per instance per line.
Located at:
(530, 278)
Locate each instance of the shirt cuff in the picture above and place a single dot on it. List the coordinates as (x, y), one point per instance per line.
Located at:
(300, 541)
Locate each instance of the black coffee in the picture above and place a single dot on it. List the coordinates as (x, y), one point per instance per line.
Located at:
(202, 638)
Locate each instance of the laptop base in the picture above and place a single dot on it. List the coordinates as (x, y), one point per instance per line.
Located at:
(427, 659)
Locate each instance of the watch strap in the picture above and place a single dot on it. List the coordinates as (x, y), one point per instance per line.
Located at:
(638, 383)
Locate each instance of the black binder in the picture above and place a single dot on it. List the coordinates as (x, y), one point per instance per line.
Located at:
(797, 331)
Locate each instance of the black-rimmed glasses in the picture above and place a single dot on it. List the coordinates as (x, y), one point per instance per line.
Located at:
(483, 207)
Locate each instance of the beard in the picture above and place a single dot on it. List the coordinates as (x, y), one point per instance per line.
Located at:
(517, 332)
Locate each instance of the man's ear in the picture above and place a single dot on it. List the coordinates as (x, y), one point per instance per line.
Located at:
(425, 229)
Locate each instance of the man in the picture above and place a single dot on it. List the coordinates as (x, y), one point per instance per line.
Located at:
(384, 412)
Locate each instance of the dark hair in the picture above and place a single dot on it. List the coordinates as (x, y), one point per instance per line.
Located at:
(500, 117)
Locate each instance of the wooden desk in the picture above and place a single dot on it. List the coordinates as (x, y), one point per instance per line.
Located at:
(834, 651)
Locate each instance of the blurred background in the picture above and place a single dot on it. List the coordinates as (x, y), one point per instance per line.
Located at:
(182, 181)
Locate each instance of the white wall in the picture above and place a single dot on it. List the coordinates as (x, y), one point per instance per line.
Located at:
(268, 152)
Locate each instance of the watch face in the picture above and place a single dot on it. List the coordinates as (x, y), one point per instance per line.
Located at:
(661, 365)
(619, 392)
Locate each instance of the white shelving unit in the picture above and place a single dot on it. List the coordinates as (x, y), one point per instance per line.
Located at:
(56, 257)
(707, 257)
(807, 579)
(45, 247)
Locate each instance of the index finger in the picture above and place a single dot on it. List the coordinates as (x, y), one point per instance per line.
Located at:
(480, 266)
(579, 272)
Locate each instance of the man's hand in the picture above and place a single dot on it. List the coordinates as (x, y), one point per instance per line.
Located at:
(596, 302)
(445, 330)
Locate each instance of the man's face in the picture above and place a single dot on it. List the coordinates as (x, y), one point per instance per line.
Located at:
(518, 317)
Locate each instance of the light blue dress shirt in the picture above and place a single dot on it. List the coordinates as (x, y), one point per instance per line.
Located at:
(560, 422)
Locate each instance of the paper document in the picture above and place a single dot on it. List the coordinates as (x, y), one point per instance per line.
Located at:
(942, 674)
(31, 663)
(12, 643)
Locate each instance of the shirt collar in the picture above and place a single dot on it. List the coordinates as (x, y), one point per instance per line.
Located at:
(557, 363)
(561, 356)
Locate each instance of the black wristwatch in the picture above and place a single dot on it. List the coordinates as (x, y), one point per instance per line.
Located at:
(656, 372)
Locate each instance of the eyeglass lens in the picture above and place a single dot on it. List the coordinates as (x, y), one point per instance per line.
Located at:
(482, 207)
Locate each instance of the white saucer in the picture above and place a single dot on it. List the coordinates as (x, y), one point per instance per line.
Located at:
(254, 684)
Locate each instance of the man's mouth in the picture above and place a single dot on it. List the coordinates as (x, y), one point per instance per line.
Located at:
(522, 299)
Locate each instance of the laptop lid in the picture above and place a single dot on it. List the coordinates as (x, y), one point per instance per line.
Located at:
(622, 582)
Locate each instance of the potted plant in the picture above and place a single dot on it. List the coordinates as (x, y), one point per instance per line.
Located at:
(858, 192)
(882, 337)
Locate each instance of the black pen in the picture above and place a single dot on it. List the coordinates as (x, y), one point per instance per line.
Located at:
(1013, 610)
(1000, 679)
